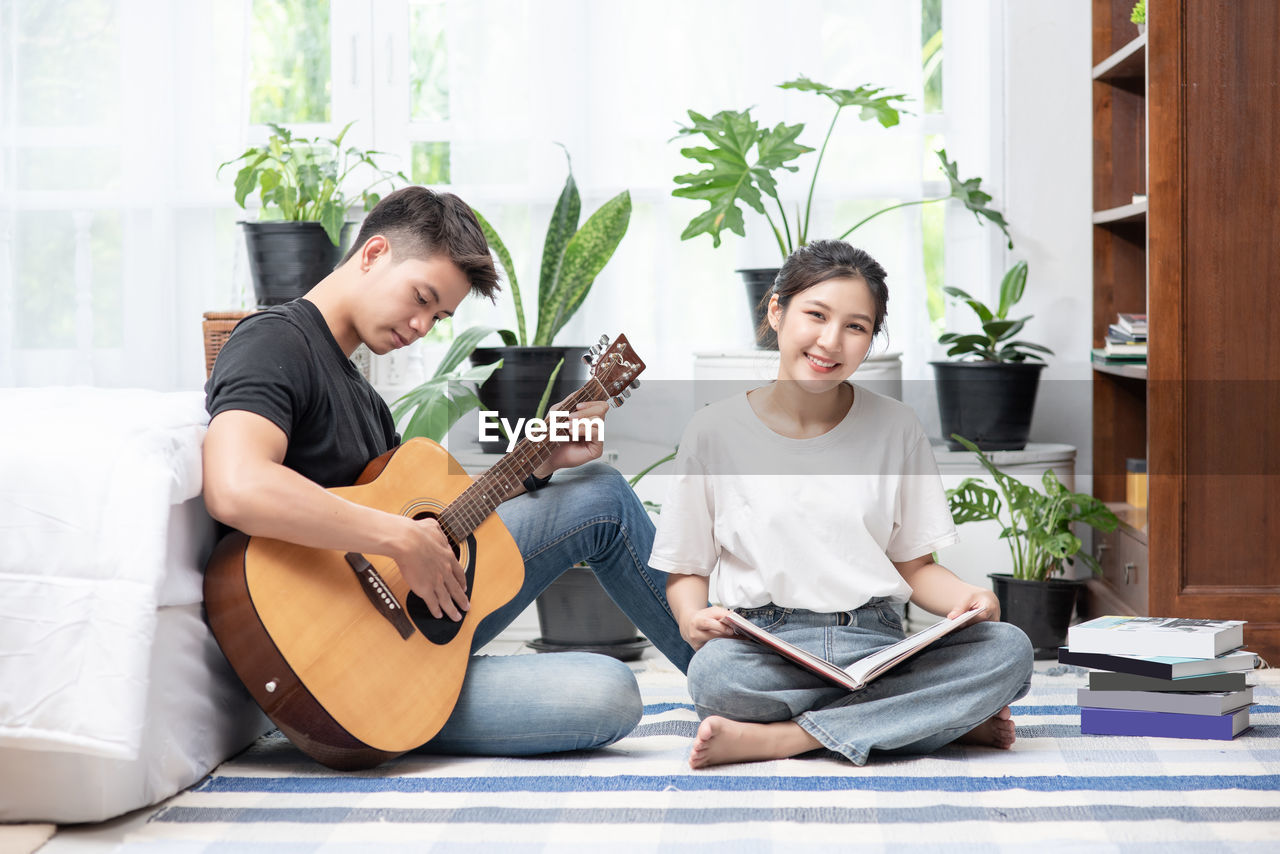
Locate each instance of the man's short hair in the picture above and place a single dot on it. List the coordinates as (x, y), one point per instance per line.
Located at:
(421, 223)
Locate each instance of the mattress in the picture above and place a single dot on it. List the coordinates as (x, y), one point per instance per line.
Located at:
(113, 694)
(196, 715)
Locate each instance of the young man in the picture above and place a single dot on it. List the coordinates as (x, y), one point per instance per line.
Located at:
(291, 416)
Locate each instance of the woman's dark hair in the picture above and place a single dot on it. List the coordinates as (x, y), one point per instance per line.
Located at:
(421, 223)
(822, 261)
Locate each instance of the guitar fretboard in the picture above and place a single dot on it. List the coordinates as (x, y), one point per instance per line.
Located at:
(465, 513)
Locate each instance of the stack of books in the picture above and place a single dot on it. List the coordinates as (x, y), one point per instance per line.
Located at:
(1162, 676)
(1126, 339)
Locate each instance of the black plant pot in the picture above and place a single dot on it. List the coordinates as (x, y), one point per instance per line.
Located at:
(287, 259)
(515, 389)
(758, 282)
(574, 613)
(1042, 609)
(988, 403)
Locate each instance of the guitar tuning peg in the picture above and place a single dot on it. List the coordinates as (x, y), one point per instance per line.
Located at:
(615, 401)
(626, 393)
(635, 383)
(604, 341)
(586, 359)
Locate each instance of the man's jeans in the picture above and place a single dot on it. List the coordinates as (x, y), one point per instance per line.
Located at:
(922, 704)
(528, 704)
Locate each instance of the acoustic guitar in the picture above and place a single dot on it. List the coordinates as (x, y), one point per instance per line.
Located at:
(337, 650)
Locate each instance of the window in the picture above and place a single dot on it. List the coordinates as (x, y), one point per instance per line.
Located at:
(115, 233)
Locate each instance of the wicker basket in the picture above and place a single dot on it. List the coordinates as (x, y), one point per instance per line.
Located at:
(217, 329)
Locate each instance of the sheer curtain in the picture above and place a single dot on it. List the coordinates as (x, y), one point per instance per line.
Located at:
(115, 235)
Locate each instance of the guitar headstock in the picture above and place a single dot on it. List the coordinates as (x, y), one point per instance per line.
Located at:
(616, 367)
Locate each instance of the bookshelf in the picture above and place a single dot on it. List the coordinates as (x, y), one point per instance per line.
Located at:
(1184, 224)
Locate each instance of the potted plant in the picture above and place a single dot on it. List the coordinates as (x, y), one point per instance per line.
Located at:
(302, 184)
(1139, 16)
(1037, 528)
(987, 391)
(572, 257)
(743, 162)
(575, 612)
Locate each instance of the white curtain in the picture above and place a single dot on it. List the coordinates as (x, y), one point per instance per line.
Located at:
(115, 235)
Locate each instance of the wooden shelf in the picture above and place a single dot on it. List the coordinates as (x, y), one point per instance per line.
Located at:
(1128, 63)
(1131, 370)
(1135, 212)
(1133, 520)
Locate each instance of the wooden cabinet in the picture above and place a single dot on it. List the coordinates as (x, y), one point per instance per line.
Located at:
(1187, 115)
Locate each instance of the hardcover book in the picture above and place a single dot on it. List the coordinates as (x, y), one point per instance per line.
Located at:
(1160, 667)
(1214, 703)
(1164, 636)
(1102, 680)
(857, 675)
(1162, 724)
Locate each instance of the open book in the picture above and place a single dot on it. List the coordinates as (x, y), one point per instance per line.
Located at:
(858, 674)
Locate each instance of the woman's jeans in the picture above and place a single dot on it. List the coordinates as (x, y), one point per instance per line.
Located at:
(527, 704)
(928, 701)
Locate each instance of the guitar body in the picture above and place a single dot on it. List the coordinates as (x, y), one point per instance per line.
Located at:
(342, 660)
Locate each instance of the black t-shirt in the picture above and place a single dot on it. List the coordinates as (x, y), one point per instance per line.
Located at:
(284, 364)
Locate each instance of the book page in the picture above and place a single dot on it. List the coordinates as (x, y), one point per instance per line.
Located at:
(866, 669)
(858, 674)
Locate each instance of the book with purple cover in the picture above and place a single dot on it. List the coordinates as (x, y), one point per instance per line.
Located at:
(857, 675)
(1163, 724)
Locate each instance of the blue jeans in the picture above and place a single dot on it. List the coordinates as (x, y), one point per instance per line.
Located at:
(922, 704)
(522, 705)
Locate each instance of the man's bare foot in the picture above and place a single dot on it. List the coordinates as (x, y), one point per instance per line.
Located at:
(720, 741)
(995, 731)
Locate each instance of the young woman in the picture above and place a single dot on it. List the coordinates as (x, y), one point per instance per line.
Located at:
(818, 506)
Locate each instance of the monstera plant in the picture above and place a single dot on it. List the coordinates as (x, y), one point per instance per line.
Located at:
(742, 159)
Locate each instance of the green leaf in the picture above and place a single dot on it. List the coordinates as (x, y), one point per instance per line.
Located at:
(546, 392)
(871, 104)
(331, 218)
(504, 258)
(971, 501)
(957, 292)
(246, 180)
(586, 254)
(998, 330)
(564, 222)
(440, 401)
(1012, 286)
(463, 344)
(732, 176)
(969, 193)
(1027, 345)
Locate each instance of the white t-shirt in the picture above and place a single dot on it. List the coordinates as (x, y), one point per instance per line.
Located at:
(803, 523)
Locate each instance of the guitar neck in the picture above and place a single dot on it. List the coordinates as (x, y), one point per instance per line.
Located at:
(474, 505)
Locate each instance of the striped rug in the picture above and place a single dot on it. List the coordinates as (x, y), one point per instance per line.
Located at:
(1055, 790)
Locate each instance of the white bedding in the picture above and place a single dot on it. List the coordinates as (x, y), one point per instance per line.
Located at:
(102, 533)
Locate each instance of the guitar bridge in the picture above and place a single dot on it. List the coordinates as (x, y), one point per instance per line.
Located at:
(380, 594)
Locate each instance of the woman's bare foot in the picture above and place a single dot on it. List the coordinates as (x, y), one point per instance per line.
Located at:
(995, 731)
(720, 741)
